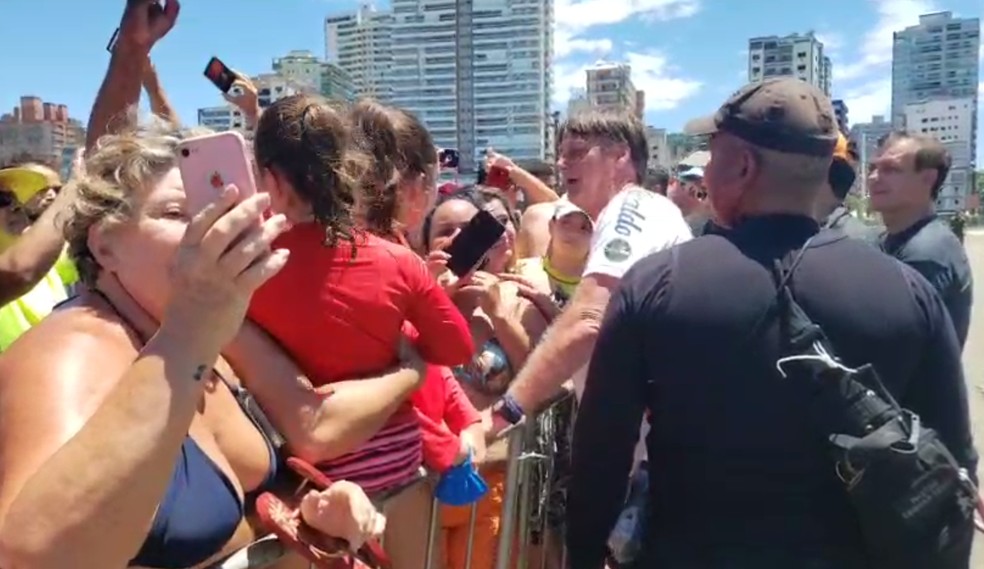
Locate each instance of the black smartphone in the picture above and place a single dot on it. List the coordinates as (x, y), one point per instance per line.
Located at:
(448, 158)
(219, 74)
(473, 242)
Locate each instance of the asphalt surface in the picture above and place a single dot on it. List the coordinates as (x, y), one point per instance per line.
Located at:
(974, 361)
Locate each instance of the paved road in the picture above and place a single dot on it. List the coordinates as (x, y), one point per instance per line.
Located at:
(974, 361)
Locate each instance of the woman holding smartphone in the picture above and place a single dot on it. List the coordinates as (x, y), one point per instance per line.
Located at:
(122, 443)
(505, 327)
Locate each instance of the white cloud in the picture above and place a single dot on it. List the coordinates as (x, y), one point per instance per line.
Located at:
(579, 15)
(832, 42)
(574, 52)
(876, 46)
(869, 99)
(566, 45)
(652, 73)
(980, 89)
(567, 78)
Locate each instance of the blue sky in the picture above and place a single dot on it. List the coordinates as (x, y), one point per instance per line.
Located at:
(688, 55)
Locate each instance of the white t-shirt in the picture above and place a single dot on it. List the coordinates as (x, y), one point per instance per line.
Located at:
(635, 224)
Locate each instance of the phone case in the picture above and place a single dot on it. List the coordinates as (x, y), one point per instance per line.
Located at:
(210, 163)
(219, 74)
(498, 178)
(473, 243)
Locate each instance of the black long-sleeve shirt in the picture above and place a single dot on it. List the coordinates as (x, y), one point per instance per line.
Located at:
(737, 478)
(930, 247)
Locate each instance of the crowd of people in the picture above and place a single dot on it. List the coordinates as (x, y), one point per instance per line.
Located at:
(177, 387)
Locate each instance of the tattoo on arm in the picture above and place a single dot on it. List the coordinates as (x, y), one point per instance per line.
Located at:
(200, 372)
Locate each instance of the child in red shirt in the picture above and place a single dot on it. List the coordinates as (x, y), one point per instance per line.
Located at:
(338, 306)
(340, 317)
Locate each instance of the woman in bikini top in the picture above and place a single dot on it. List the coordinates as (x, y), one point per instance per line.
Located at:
(120, 446)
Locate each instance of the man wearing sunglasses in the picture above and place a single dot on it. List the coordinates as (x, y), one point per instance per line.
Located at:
(28, 257)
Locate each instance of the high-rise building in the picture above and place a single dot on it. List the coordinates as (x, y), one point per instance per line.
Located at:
(39, 132)
(578, 101)
(795, 55)
(270, 87)
(950, 121)
(938, 58)
(477, 72)
(681, 145)
(866, 135)
(610, 87)
(659, 148)
(300, 66)
(840, 113)
(325, 77)
(360, 43)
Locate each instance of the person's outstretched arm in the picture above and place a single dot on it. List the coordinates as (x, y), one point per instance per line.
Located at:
(160, 105)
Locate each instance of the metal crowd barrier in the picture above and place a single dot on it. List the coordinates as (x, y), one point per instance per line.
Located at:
(528, 488)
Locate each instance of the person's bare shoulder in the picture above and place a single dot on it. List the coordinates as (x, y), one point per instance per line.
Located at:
(534, 230)
(52, 379)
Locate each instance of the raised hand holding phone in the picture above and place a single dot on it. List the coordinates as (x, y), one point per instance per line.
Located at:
(220, 74)
(474, 240)
(224, 256)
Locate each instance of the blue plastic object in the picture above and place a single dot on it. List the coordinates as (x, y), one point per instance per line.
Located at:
(461, 485)
(626, 538)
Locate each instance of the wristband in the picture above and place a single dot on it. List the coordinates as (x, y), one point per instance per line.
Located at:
(508, 408)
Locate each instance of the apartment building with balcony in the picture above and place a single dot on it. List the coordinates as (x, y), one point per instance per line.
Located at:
(477, 72)
(39, 131)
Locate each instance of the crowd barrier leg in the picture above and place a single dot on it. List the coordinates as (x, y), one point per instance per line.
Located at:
(472, 516)
(523, 537)
(510, 497)
(432, 533)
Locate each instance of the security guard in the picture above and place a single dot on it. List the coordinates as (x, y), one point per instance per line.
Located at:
(738, 478)
(905, 179)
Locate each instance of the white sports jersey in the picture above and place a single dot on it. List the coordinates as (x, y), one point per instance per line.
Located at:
(635, 224)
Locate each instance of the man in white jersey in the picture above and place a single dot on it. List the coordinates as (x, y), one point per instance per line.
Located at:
(602, 160)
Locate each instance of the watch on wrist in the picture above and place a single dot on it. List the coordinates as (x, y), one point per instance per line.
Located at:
(508, 408)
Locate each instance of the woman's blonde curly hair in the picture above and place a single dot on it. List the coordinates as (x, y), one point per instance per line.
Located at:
(117, 169)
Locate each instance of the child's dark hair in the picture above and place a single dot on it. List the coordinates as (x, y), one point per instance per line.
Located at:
(305, 139)
(398, 145)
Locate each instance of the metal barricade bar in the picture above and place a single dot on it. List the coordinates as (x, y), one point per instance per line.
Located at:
(522, 461)
(263, 552)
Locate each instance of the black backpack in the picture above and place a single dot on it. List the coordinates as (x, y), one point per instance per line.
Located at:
(914, 503)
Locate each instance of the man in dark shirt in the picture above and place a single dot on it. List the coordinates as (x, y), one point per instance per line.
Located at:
(738, 478)
(904, 181)
(833, 213)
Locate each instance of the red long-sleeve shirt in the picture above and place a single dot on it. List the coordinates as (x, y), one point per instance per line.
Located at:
(444, 411)
(340, 317)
